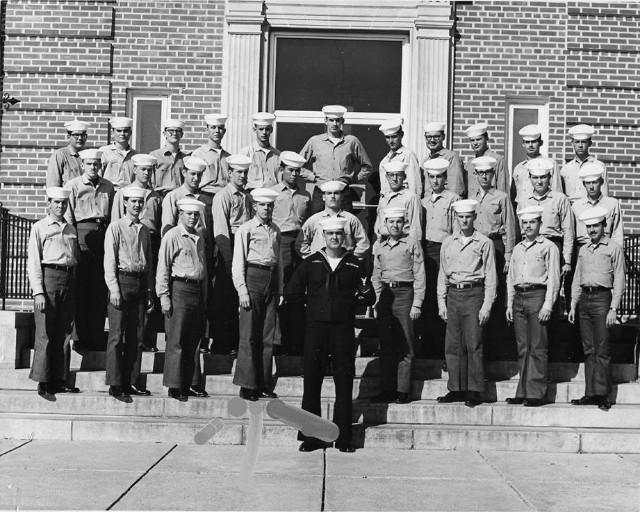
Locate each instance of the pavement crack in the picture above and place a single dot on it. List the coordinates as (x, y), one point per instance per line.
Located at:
(507, 481)
(16, 447)
(141, 477)
(324, 478)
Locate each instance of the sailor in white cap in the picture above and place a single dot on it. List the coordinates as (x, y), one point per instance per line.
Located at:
(65, 163)
(232, 207)
(192, 172)
(258, 278)
(170, 157)
(393, 134)
(333, 281)
(557, 219)
(311, 238)
(335, 155)
(117, 166)
(399, 282)
(592, 176)
(466, 292)
(598, 285)
(581, 140)
(128, 272)
(438, 225)
(521, 184)
(291, 210)
(51, 260)
(398, 196)
(479, 142)
(215, 176)
(434, 137)
(90, 204)
(265, 159)
(533, 284)
(181, 285)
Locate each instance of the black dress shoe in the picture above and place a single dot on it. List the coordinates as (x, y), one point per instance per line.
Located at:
(346, 448)
(385, 397)
(604, 404)
(472, 402)
(451, 396)
(63, 388)
(146, 348)
(132, 390)
(403, 398)
(309, 446)
(516, 400)
(586, 400)
(249, 394)
(177, 394)
(533, 402)
(200, 393)
(44, 392)
(116, 391)
(267, 394)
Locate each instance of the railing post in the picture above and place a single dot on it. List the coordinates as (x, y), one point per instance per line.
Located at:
(4, 259)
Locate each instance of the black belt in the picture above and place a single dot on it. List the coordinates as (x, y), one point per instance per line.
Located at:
(61, 268)
(529, 287)
(99, 222)
(188, 281)
(268, 268)
(472, 284)
(593, 289)
(398, 284)
(128, 273)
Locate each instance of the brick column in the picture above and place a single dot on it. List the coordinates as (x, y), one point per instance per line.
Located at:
(242, 80)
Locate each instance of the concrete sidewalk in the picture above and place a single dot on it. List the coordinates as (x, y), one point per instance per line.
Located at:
(145, 476)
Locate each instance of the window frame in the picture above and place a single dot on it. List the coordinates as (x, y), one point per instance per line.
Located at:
(137, 94)
(537, 103)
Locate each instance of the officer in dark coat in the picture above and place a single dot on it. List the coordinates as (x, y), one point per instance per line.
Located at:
(334, 282)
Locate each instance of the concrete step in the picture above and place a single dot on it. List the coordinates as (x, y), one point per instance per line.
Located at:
(408, 436)
(368, 366)
(423, 412)
(363, 387)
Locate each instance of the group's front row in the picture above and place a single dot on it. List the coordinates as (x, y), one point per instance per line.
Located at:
(333, 282)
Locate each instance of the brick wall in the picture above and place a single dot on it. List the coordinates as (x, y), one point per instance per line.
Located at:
(584, 56)
(77, 58)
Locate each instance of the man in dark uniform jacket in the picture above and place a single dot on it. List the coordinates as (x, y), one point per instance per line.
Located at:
(334, 282)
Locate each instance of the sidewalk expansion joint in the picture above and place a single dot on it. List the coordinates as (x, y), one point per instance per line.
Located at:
(507, 481)
(141, 477)
(324, 478)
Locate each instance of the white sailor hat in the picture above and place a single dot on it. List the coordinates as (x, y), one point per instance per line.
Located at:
(590, 171)
(333, 223)
(333, 186)
(436, 166)
(193, 163)
(475, 130)
(133, 192)
(581, 132)
(263, 195)
(539, 166)
(121, 122)
(484, 163)
(173, 123)
(143, 160)
(434, 127)
(394, 213)
(215, 119)
(334, 111)
(593, 215)
(395, 166)
(263, 119)
(90, 154)
(531, 212)
(58, 193)
(391, 126)
(292, 159)
(189, 204)
(530, 132)
(239, 162)
(465, 206)
(76, 126)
